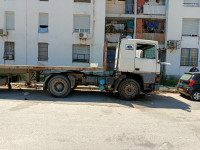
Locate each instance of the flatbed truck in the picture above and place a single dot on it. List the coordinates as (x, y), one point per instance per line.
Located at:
(137, 69)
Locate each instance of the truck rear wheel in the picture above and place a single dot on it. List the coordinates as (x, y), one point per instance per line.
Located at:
(129, 89)
(59, 86)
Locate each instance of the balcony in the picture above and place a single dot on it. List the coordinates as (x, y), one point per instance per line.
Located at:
(160, 37)
(119, 7)
(151, 29)
(144, 7)
(120, 28)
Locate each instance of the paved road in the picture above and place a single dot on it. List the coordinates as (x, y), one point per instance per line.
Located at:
(94, 120)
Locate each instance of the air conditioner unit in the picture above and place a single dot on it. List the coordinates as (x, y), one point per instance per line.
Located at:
(3, 32)
(84, 35)
(172, 44)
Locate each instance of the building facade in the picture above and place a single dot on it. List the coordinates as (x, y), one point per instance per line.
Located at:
(52, 32)
(72, 32)
(183, 32)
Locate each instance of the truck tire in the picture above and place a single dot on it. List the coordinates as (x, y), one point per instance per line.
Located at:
(59, 86)
(129, 89)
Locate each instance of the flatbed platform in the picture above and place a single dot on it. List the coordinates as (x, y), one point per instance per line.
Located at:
(27, 68)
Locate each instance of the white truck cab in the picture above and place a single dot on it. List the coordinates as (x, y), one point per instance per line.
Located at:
(138, 56)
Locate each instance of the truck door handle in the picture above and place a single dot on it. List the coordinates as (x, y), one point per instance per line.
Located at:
(137, 69)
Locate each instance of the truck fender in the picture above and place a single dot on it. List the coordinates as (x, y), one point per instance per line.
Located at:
(118, 81)
(72, 81)
(46, 81)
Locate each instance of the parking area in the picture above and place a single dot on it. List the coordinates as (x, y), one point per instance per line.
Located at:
(32, 119)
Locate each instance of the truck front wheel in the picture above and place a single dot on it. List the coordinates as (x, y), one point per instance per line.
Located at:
(129, 89)
(59, 86)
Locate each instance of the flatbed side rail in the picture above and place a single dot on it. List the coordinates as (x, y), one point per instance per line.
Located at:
(22, 68)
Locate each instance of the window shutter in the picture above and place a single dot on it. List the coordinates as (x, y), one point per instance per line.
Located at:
(81, 22)
(10, 20)
(43, 19)
(191, 1)
(42, 52)
(190, 27)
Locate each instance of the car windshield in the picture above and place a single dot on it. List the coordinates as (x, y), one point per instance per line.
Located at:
(186, 77)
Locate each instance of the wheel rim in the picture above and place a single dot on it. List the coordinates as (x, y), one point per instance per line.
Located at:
(130, 89)
(196, 96)
(59, 86)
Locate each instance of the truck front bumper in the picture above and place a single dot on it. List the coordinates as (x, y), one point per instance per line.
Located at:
(156, 87)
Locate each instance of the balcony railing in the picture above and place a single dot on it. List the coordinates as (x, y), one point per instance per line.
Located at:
(154, 10)
(119, 9)
(141, 9)
(160, 37)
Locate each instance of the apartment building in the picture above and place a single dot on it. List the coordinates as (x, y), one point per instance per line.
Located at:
(183, 36)
(141, 19)
(52, 32)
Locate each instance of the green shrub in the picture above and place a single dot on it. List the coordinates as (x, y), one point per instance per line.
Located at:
(168, 82)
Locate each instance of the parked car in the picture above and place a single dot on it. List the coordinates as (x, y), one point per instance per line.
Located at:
(189, 85)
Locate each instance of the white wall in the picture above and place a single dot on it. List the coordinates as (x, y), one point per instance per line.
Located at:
(60, 36)
(176, 13)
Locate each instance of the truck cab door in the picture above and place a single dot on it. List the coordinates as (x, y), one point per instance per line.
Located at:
(146, 58)
(126, 56)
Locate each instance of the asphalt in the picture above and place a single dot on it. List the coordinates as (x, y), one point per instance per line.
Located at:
(32, 119)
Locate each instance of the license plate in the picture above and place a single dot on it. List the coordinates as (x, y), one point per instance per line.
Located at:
(180, 89)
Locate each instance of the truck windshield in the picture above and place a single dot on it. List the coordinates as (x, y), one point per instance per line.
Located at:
(146, 51)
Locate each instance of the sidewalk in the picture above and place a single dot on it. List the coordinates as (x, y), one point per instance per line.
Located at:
(167, 89)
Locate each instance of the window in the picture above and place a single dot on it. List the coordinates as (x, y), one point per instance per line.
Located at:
(193, 3)
(84, 1)
(146, 51)
(81, 24)
(190, 27)
(110, 1)
(43, 23)
(189, 56)
(9, 51)
(43, 52)
(81, 53)
(10, 20)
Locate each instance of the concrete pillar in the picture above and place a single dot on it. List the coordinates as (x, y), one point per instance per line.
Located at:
(135, 21)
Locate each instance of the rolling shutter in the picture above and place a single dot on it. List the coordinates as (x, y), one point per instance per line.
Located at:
(190, 27)
(43, 52)
(81, 22)
(191, 1)
(194, 3)
(43, 19)
(10, 20)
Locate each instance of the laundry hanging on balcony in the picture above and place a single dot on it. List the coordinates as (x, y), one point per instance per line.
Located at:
(129, 6)
(151, 25)
(130, 25)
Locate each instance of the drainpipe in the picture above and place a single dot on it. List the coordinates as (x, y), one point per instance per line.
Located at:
(166, 34)
(26, 32)
(135, 18)
(166, 24)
